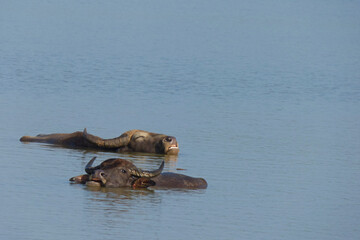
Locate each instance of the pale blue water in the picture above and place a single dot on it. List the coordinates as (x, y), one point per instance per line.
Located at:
(263, 98)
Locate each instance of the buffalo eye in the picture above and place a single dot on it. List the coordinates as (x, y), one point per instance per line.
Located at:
(123, 170)
(102, 174)
(168, 139)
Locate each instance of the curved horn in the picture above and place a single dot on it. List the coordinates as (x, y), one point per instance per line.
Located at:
(121, 141)
(149, 174)
(88, 168)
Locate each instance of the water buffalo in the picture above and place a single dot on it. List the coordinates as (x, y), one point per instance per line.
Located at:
(116, 172)
(130, 141)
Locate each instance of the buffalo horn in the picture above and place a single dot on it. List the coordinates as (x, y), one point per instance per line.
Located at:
(121, 141)
(149, 174)
(88, 168)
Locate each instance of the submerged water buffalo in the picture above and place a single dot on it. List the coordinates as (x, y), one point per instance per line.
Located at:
(116, 172)
(130, 141)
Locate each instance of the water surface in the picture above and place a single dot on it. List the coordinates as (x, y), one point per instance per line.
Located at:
(262, 97)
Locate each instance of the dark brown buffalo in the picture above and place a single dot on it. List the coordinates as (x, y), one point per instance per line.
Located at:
(130, 141)
(116, 172)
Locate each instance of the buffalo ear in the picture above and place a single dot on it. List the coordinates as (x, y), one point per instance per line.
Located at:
(143, 182)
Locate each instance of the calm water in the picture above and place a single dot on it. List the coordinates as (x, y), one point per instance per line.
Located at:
(262, 96)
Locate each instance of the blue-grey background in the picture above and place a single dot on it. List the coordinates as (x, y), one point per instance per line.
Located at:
(263, 97)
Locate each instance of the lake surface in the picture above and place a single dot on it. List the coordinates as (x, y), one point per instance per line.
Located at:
(263, 97)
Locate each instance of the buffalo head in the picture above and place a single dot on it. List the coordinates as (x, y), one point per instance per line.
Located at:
(137, 141)
(116, 172)
(170, 145)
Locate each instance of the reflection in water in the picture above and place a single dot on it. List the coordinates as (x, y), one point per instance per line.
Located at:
(118, 207)
(142, 160)
(135, 213)
(122, 196)
(118, 203)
